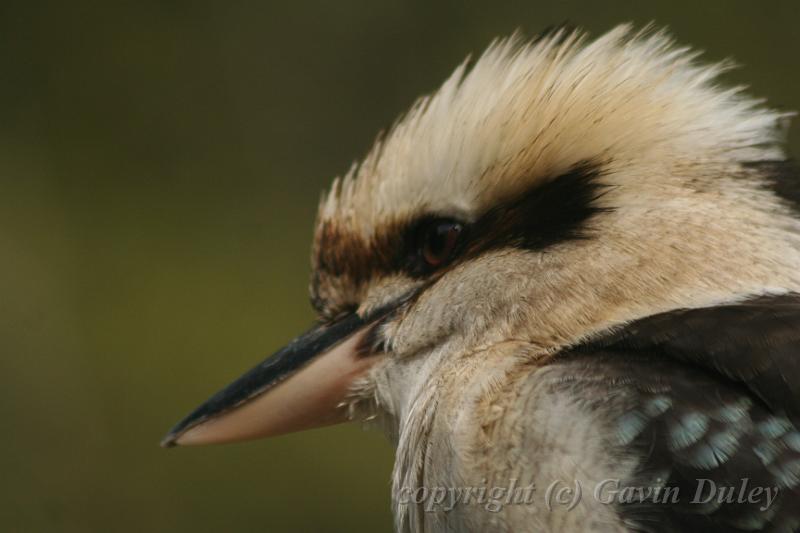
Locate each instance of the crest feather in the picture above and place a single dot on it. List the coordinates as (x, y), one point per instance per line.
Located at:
(526, 111)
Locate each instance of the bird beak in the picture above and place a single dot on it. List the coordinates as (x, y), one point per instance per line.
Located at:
(299, 387)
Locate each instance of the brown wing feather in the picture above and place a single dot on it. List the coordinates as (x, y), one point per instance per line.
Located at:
(712, 394)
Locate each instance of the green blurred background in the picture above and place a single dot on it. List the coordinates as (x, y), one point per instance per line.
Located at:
(160, 164)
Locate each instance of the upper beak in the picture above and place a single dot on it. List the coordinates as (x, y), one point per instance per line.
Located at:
(299, 387)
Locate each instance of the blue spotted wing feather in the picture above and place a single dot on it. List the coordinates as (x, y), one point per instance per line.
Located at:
(711, 410)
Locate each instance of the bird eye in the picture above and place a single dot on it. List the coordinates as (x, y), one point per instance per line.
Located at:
(439, 241)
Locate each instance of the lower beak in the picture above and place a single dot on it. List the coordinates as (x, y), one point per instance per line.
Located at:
(299, 387)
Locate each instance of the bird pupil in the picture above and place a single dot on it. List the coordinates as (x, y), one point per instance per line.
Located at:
(440, 242)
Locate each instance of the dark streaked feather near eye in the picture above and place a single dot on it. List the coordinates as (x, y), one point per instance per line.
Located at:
(782, 177)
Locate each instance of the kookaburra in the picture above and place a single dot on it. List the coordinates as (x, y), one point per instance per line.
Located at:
(575, 268)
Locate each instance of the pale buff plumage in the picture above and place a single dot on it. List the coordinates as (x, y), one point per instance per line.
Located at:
(465, 381)
(461, 392)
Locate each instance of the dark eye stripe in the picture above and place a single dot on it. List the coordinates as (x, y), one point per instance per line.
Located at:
(553, 211)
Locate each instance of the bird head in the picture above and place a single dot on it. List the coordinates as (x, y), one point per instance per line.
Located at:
(547, 191)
